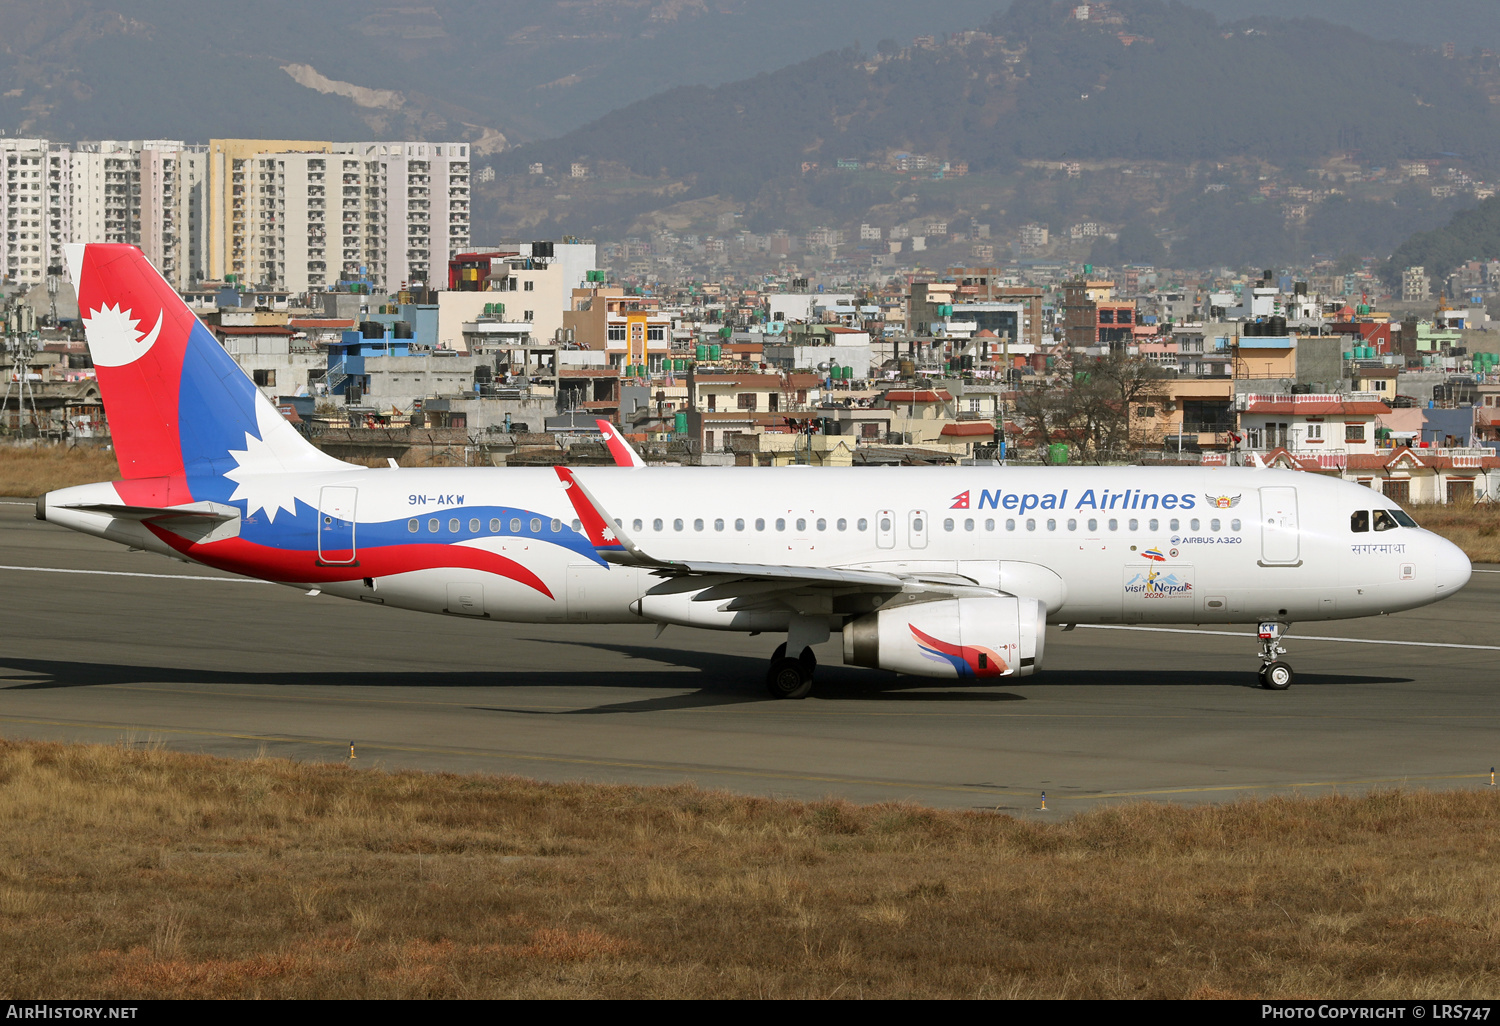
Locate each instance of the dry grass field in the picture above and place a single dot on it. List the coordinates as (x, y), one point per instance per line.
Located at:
(30, 470)
(1473, 527)
(136, 873)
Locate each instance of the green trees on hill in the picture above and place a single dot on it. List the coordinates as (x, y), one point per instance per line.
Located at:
(1471, 235)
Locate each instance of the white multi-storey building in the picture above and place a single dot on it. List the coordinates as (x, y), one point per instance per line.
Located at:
(145, 192)
(391, 213)
(303, 220)
(296, 215)
(426, 207)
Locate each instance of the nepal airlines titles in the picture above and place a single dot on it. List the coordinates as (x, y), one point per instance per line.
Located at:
(1130, 498)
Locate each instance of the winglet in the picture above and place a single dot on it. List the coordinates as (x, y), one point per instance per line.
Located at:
(624, 455)
(1260, 464)
(606, 535)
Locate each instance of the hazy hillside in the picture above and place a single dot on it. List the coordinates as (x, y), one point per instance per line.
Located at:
(1180, 123)
(1465, 23)
(1176, 87)
(1471, 235)
(174, 69)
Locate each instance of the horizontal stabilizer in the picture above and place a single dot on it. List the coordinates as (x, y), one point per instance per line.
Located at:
(216, 512)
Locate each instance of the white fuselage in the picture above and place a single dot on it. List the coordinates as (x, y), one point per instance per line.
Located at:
(1095, 544)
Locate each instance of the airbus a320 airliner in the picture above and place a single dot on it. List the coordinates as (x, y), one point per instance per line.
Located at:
(936, 572)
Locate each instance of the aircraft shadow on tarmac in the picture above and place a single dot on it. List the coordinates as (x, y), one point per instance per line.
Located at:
(714, 679)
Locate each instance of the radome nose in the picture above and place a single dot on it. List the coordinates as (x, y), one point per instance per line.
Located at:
(1451, 568)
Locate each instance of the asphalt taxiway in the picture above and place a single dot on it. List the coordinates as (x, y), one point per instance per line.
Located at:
(108, 646)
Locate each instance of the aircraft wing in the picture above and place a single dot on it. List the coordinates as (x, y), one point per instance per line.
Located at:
(749, 584)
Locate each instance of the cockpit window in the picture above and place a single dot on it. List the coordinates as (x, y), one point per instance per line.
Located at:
(1384, 521)
(1402, 517)
(1359, 521)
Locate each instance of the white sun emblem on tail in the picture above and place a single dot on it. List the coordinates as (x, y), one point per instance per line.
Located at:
(261, 478)
(113, 340)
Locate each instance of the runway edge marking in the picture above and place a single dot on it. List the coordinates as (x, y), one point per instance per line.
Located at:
(127, 573)
(1297, 637)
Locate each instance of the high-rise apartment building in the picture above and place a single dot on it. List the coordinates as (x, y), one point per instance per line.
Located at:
(303, 214)
(295, 214)
(146, 192)
(30, 210)
(426, 206)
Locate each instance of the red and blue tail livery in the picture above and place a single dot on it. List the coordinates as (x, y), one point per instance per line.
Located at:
(211, 470)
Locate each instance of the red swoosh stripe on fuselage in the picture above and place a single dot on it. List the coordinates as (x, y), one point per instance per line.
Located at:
(239, 556)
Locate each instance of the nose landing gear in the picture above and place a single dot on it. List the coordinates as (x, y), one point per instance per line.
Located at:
(1275, 675)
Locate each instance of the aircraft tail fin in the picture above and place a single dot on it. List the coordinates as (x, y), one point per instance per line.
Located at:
(178, 405)
(623, 452)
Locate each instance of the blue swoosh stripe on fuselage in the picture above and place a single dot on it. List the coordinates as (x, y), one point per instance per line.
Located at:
(300, 533)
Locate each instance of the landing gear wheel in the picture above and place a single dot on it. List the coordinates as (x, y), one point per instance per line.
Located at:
(1276, 676)
(789, 678)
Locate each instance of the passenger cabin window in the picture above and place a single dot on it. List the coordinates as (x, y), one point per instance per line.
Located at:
(1359, 521)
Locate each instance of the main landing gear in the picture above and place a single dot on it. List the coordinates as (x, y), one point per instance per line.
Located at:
(1275, 675)
(791, 678)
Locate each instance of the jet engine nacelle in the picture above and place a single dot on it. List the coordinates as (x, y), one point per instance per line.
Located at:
(964, 638)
